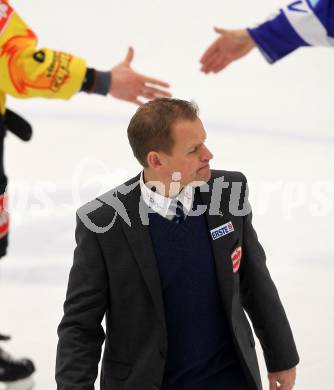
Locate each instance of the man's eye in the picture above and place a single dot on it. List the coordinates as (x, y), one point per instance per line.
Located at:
(193, 150)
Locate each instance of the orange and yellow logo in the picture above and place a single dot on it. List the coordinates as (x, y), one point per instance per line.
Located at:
(52, 79)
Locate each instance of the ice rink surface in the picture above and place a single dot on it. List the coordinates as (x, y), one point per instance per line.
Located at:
(273, 123)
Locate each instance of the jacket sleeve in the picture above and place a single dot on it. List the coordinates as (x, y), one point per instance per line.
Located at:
(263, 305)
(299, 23)
(27, 71)
(80, 332)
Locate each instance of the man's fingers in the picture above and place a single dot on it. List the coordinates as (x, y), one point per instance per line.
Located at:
(219, 30)
(151, 92)
(207, 67)
(210, 51)
(129, 56)
(273, 384)
(218, 63)
(221, 65)
(225, 64)
(282, 380)
(148, 96)
(217, 68)
(153, 81)
(286, 386)
(212, 48)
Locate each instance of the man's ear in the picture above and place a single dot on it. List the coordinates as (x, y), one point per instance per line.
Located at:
(153, 160)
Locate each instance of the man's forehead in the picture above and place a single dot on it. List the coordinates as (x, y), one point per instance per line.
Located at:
(189, 129)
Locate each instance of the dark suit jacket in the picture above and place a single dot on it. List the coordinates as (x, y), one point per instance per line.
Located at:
(115, 274)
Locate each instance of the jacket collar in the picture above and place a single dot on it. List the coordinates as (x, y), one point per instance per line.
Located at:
(162, 204)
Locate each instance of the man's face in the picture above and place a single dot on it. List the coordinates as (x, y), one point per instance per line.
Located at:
(189, 155)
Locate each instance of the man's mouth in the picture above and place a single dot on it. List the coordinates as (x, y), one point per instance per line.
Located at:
(205, 166)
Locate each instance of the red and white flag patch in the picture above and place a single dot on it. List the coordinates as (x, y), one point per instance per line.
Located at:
(4, 218)
(236, 258)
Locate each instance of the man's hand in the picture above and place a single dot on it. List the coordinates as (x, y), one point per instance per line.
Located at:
(230, 46)
(282, 380)
(126, 84)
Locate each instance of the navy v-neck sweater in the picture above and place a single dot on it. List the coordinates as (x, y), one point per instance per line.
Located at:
(201, 354)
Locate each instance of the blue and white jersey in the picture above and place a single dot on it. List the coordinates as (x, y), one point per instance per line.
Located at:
(300, 23)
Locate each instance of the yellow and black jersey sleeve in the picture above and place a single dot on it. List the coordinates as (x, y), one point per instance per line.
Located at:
(26, 71)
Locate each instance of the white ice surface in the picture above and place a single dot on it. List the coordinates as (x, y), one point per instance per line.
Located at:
(273, 123)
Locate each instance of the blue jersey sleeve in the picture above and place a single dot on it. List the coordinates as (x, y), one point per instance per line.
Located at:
(300, 23)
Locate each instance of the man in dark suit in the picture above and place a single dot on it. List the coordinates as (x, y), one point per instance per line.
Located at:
(171, 259)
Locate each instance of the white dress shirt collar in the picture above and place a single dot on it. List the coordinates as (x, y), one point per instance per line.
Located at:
(161, 204)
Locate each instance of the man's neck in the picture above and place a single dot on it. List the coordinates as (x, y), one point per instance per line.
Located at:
(164, 187)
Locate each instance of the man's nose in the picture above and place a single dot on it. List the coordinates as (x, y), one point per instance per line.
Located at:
(207, 155)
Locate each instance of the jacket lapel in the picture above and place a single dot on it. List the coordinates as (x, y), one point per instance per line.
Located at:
(221, 250)
(139, 238)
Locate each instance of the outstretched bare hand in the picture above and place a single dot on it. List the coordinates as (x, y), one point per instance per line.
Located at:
(129, 85)
(230, 46)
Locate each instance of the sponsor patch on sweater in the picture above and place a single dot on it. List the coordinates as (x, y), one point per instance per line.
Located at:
(236, 258)
(222, 230)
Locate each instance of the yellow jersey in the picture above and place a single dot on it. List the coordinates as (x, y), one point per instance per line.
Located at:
(26, 71)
